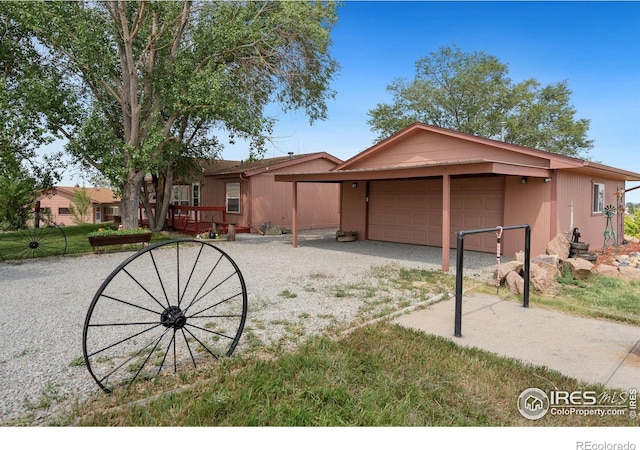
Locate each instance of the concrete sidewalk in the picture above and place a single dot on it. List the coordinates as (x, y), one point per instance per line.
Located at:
(591, 350)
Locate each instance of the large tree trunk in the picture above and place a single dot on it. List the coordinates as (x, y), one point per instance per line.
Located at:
(163, 198)
(130, 202)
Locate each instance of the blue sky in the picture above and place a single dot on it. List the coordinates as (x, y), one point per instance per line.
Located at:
(595, 46)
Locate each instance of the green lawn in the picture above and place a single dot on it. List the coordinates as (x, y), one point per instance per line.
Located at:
(379, 375)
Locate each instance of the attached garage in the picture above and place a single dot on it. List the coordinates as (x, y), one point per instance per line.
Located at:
(424, 184)
(410, 211)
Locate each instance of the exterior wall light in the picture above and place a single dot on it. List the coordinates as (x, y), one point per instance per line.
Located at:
(524, 180)
(354, 185)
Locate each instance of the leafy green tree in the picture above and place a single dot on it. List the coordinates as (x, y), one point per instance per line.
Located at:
(17, 189)
(156, 81)
(26, 100)
(472, 93)
(81, 206)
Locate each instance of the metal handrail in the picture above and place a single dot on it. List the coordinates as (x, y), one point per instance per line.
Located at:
(459, 265)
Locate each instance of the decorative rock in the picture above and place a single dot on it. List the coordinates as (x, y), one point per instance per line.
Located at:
(553, 260)
(607, 271)
(515, 283)
(511, 266)
(541, 278)
(520, 257)
(273, 230)
(629, 273)
(632, 239)
(580, 268)
(560, 246)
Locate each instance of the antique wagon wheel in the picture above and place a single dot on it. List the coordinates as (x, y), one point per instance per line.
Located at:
(46, 239)
(169, 306)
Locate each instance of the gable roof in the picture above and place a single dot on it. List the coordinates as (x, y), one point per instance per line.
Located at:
(552, 160)
(226, 167)
(498, 159)
(97, 195)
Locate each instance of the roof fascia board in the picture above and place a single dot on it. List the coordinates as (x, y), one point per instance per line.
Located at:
(292, 162)
(480, 167)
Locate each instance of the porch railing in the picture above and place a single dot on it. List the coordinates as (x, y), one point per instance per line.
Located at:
(195, 219)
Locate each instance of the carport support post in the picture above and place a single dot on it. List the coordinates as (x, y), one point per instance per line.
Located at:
(446, 221)
(294, 212)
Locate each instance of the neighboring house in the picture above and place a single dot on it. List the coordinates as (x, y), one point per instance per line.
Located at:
(58, 202)
(424, 184)
(252, 198)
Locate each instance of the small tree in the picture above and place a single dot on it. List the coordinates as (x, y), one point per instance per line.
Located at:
(80, 206)
(18, 195)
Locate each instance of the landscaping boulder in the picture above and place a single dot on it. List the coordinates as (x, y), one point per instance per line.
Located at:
(541, 278)
(629, 273)
(546, 260)
(559, 246)
(273, 230)
(515, 283)
(632, 239)
(607, 271)
(504, 269)
(520, 257)
(580, 268)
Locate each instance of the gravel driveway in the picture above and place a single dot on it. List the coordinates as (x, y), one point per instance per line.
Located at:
(44, 304)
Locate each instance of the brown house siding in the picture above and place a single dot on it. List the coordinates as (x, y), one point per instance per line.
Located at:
(265, 201)
(578, 188)
(528, 203)
(424, 148)
(353, 199)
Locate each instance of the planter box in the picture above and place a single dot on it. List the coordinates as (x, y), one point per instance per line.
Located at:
(116, 239)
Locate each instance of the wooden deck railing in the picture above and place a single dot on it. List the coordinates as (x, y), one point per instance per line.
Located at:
(188, 219)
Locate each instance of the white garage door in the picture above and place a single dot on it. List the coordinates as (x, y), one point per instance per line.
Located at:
(410, 211)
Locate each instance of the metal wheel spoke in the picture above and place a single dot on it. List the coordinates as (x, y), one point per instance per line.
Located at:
(155, 266)
(212, 332)
(195, 263)
(143, 288)
(197, 314)
(122, 341)
(203, 345)
(210, 291)
(130, 304)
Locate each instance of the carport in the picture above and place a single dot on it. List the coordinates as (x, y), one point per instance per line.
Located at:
(421, 203)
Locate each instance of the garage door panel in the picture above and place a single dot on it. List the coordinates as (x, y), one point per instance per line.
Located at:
(410, 211)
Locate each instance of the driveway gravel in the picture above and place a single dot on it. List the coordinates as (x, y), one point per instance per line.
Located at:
(44, 303)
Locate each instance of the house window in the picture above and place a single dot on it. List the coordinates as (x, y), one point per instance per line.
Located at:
(64, 211)
(598, 198)
(233, 197)
(111, 211)
(180, 195)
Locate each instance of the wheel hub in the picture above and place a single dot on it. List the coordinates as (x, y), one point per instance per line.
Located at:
(174, 317)
(33, 245)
